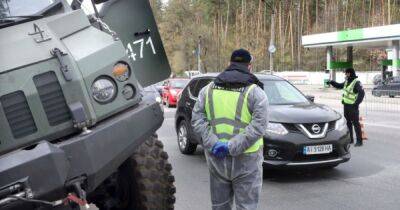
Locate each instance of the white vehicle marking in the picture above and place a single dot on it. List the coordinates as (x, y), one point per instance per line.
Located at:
(141, 41)
(149, 41)
(130, 52)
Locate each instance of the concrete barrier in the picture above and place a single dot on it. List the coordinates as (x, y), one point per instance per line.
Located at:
(317, 78)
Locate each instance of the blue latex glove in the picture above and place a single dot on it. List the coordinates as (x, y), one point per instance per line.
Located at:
(220, 149)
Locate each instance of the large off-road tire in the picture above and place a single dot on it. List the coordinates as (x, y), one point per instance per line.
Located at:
(143, 182)
(184, 144)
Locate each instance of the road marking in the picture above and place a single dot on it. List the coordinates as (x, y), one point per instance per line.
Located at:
(169, 109)
(382, 125)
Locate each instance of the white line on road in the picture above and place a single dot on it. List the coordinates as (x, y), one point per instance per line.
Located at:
(169, 109)
(383, 125)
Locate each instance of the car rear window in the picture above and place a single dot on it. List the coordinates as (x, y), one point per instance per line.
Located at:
(178, 83)
(201, 83)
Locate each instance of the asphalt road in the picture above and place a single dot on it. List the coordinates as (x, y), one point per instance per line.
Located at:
(370, 180)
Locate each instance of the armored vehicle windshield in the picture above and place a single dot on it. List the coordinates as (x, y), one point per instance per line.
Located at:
(16, 11)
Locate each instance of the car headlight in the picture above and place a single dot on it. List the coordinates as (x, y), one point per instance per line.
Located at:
(104, 90)
(341, 124)
(158, 99)
(276, 129)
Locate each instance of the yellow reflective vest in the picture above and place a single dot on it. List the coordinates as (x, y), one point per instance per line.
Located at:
(349, 97)
(228, 113)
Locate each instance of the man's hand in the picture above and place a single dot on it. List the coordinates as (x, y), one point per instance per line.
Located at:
(220, 149)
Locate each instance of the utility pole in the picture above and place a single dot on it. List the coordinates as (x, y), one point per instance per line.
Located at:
(198, 55)
(271, 47)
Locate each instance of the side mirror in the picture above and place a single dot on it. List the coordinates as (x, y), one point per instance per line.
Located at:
(310, 98)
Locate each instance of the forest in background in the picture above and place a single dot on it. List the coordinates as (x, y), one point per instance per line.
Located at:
(225, 25)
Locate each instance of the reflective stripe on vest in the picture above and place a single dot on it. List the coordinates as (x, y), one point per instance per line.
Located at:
(349, 97)
(228, 113)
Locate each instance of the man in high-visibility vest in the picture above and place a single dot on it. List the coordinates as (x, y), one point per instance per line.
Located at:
(230, 115)
(353, 95)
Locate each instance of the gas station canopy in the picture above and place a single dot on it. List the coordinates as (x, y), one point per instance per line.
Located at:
(381, 37)
(374, 37)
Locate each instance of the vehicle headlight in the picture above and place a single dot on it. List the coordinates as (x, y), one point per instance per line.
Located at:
(276, 129)
(158, 99)
(341, 124)
(104, 90)
(121, 71)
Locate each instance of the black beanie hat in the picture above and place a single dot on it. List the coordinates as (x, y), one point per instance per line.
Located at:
(351, 71)
(241, 56)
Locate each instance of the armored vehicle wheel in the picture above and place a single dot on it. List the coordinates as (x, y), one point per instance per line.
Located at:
(184, 144)
(143, 182)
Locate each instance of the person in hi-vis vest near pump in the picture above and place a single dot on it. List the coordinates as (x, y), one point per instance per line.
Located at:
(230, 115)
(353, 95)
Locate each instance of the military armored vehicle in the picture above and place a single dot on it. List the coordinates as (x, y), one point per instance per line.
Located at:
(74, 127)
(389, 87)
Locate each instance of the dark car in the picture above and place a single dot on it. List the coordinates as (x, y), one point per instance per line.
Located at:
(151, 92)
(390, 88)
(300, 132)
(377, 79)
(159, 87)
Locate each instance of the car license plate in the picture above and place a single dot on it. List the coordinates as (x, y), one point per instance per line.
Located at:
(318, 149)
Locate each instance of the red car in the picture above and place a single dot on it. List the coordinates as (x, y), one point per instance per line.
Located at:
(171, 90)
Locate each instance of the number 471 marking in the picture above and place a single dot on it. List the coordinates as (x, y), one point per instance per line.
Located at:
(141, 42)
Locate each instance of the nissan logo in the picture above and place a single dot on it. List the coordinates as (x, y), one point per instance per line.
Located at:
(315, 128)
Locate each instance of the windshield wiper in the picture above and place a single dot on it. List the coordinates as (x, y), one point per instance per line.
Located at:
(4, 20)
(12, 19)
(22, 16)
